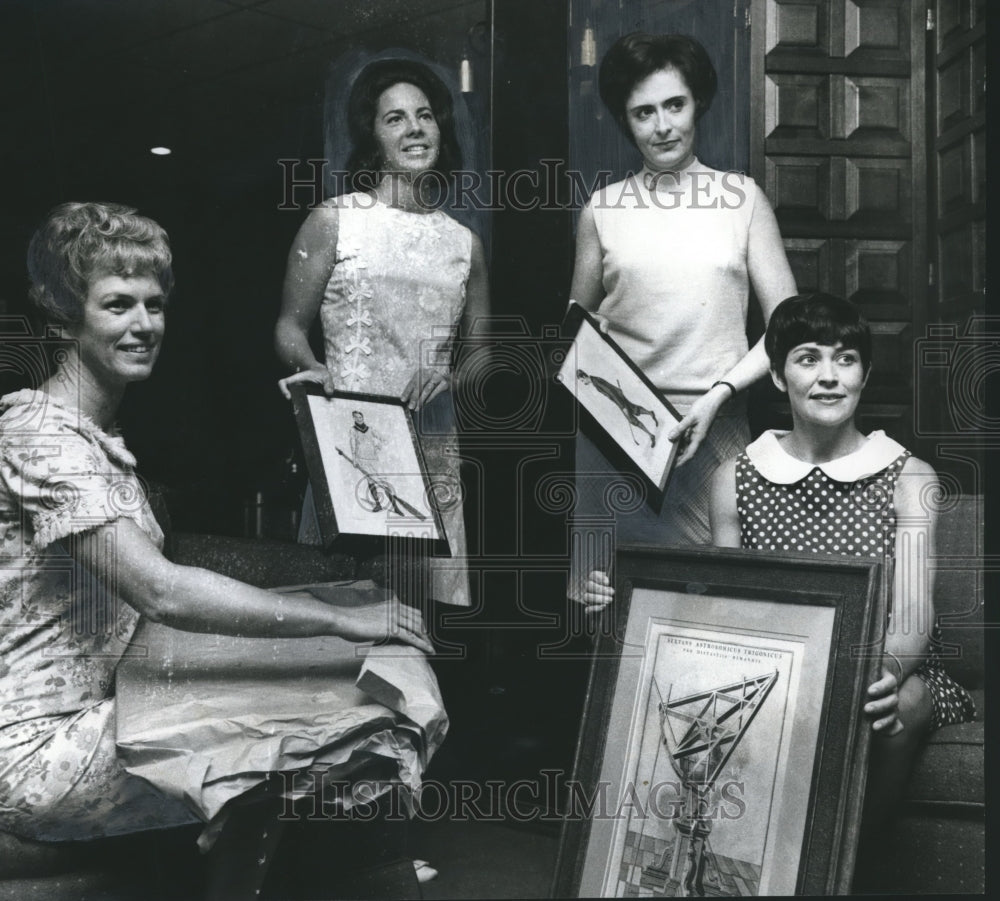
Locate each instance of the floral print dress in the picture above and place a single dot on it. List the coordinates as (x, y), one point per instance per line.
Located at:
(61, 633)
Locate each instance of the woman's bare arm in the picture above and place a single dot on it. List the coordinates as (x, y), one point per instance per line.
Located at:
(587, 286)
(912, 600)
(723, 514)
(772, 281)
(477, 289)
(127, 563)
(310, 264)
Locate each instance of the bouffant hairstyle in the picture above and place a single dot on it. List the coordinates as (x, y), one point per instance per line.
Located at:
(365, 160)
(638, 55)
(820, 318)
(77, 240)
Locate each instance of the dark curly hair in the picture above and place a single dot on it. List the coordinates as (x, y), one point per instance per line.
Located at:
(365, 160)
(77, 240)
(822, 318)
(638, 55)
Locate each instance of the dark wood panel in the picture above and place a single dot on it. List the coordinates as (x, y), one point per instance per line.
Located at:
(795, 225)
(861, 146)
(811, 266)
(959, 145)
(877, 108)
(798, 107)
(978, 72)
(879, 190)
(896, 420)
(953, 20)
(798, 62)
(798, 26)
(979, 166)
(953, 92)
(961, 260)
(877, 30)
(892, 355)
(878, 276)
(960, 218)
(958, 24)
(802, 186)
(959, 129)
(864, 109)
(955, 176)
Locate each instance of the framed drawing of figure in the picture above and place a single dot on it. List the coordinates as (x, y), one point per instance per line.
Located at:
(723, 749)
(632, 416)
(366, 468)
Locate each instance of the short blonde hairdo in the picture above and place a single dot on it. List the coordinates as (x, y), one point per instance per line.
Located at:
(78, 239)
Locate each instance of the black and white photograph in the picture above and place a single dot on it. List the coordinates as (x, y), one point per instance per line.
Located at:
(365, 367)
(366, 467)
(619, 398)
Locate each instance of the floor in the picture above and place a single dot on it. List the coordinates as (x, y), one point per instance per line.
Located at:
(485, 860)
(473, 859)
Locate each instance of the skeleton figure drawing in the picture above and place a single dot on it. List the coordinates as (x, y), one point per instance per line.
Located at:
(630, 410)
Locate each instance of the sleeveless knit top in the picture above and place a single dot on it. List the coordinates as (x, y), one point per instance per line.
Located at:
(675, 273)
(843, 506)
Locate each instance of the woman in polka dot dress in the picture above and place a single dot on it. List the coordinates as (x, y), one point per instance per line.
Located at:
(825, 487)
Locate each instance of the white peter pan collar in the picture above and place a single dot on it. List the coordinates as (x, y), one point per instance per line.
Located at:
(776, 465)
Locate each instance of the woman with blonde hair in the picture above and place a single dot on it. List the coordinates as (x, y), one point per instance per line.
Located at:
(81, 561)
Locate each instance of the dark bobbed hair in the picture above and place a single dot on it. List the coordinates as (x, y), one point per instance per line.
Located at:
(376, 78)
(638, 55)
(821, 318)
(77, 240)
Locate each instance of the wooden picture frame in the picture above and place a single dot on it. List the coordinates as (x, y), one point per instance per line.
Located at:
(632, 417)
(366, 469)
(723, 748)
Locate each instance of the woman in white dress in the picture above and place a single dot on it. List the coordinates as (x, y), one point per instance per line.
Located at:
(395, 282)
(393, 279)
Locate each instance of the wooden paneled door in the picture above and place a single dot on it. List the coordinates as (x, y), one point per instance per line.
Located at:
(842, 121)
(961, 349)
(838, 145)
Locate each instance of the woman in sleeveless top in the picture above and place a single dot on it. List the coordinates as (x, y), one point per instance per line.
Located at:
(393, 280)
(825, 487)
(666, 260)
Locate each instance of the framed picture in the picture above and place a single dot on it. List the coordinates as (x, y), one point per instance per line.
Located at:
(723, 749)
(366, 469)
(632, 416)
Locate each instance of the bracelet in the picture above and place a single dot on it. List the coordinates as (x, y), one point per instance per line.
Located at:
(899, 666)
(729, 385)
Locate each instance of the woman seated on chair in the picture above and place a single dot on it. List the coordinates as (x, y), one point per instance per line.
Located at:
(824, 487)
(80, 553)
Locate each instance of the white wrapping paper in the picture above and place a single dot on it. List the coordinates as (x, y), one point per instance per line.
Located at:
(205, 718)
